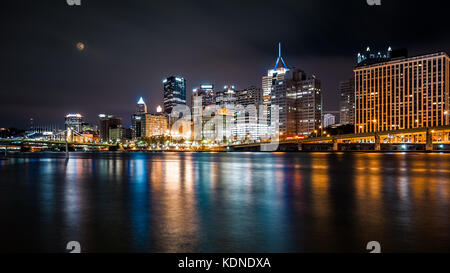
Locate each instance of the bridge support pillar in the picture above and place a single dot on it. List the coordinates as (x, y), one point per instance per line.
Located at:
(300, 146)
(429, 141)
(377, 142)
(335, 145)
(67, 150)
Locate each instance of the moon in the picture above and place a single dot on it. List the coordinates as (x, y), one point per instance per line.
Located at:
(80, 46)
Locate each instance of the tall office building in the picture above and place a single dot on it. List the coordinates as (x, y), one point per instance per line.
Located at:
(402, 93)
(141, 107)
(269, 82)
(309, 106)
(279, 88)
(138, 119)
(74, 122)
(174, 93)
(107, 122)
(347, 101)
(206, 92)
(298, 97)
(245, 128)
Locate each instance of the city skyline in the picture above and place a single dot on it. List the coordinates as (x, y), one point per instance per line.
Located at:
(42, 79)
(213, 135)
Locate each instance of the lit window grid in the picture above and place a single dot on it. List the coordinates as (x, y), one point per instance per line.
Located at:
(402, 94)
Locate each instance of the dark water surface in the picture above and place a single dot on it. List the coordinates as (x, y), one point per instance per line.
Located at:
(225, 202)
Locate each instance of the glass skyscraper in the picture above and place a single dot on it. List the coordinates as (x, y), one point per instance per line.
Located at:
(174, 93)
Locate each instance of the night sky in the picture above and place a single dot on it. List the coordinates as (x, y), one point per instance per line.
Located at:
(131, 45)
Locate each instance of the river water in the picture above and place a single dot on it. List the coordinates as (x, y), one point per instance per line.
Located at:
(225, 202)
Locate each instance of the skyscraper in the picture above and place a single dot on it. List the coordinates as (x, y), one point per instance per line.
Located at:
(138, 119)
(174, 93)
(206, 92)
(347, 101)
(402, 93)
(298, 97)
(309, 106)
(274, 76)
(141, 107)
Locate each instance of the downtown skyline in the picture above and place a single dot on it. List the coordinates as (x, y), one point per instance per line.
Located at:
(124, 59)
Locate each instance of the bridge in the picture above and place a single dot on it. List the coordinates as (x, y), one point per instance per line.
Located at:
(63, 142)
(417, 139)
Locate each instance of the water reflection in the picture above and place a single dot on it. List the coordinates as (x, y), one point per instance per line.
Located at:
(226, 202)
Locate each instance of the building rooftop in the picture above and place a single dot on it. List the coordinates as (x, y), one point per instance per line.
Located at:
(404, 59)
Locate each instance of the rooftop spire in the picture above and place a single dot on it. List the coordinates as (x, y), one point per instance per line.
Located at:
(279, 58)
(141, 101)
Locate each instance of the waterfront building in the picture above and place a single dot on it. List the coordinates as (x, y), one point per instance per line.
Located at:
(155, 124)
(174, 93)
(402, 93)
(74, 122)
(347, 101)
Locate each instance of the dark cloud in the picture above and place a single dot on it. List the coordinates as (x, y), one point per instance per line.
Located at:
(131, 45)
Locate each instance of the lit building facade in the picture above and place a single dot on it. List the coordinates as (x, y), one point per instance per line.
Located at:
(347, 101)
(174, 93)
(328, 120)
(155, 125)
(402, 93)
(308, 106)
